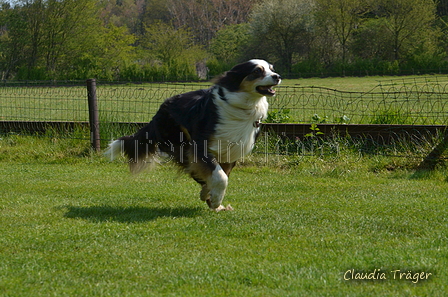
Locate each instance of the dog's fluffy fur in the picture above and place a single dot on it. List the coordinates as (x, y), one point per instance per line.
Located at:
(206, 131)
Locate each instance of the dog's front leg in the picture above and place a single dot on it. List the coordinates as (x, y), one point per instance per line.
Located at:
(217, 184)
(211, 176)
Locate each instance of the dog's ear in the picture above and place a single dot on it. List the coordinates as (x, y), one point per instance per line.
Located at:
(232, 79)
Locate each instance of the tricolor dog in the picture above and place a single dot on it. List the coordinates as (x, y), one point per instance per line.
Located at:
(206, 131)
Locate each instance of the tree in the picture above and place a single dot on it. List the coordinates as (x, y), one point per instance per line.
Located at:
(123, 13)
(282, 29)
(341, 18)
(156, 11)
(54, 39)
(111, 50)
(172, 50)
(206, 17)
(405, 20)
(228, 42)
(65, 32)
(228, 48)
(371, 41)
(12, 40)
(22, 36)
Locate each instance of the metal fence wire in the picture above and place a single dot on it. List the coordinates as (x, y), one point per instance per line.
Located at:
(413, 102)
(416, 101)
(43, 103)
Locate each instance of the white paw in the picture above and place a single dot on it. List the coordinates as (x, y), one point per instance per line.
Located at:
(222, 208)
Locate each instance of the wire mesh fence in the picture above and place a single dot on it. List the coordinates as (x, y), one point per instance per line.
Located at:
(404, 101)
(416, 101)
(43, 103)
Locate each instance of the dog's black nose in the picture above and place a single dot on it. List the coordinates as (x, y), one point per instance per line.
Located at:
(276, 77)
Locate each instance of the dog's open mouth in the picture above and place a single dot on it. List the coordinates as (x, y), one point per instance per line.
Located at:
(266, 90)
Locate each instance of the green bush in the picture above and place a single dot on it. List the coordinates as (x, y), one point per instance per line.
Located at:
(34, 73)
(389, 117)
(216, 67)
(278, 116)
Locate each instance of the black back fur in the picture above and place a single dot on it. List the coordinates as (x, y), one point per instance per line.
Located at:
(181, 122)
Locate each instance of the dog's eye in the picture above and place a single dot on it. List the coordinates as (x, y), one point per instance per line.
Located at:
(258, 71)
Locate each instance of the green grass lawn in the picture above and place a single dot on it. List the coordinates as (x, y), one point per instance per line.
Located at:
(80, 226)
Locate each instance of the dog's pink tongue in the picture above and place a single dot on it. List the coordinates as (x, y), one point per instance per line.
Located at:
(267, 89)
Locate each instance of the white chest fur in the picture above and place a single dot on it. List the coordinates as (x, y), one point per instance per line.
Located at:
(237, 127)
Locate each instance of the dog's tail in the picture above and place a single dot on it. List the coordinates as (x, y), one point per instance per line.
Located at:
(139, 149)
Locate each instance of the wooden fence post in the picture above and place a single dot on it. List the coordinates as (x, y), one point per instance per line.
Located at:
(94, 122)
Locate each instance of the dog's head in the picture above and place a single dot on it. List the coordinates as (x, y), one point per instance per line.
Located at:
(256, 77)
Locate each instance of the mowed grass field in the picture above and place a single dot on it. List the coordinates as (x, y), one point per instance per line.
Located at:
(74, 224)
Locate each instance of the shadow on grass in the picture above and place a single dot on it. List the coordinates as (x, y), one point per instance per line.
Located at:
(106, 213)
